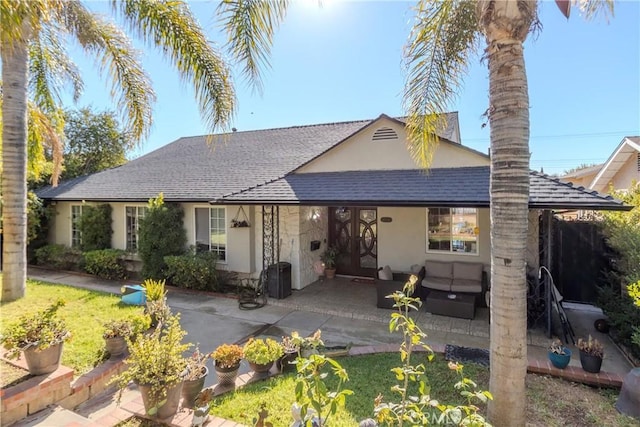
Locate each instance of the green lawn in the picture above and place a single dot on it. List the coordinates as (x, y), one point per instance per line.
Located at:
(369, 376)
(84, 312)
(550, 401)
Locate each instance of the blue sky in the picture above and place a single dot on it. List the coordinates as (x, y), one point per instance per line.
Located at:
(342, 61)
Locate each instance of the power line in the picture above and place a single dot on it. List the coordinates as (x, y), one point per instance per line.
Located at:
(568, 135)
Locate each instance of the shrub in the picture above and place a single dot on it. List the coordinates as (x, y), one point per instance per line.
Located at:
(39, 330)
(227, 355)
(261, 352)
(193, 271)
(161, 233)
(106, 263)
(95, 226)
(623, 315)
(60, 257)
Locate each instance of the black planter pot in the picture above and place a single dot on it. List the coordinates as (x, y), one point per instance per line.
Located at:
(116, 346)
(42, 362)
(191, 388)
(590, 363)
(169, 404)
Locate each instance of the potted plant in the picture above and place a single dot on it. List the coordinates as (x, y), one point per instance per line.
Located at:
(155, 363)
(307, 345)
(328, 257)
(291, 351)
(40, 336)
(196, 373)
(115, 332)
(559, 355)
(201, 408)
(262, 353)
(591, 354)
(157, 307)
(226, 358)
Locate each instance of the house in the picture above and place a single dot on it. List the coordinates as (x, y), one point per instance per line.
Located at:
(621, 169)
(582, 177)
(351, 184)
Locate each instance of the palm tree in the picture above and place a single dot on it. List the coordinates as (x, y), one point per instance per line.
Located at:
(34, 59)
(443, 38)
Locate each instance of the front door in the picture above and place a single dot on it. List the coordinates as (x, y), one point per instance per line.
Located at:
(354, 231)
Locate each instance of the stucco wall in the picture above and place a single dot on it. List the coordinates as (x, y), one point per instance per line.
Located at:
(627, 173)
(311, 229)
(360, 152)
(402, 242)
(240, 241)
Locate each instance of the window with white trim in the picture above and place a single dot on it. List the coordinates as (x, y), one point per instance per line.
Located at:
(132, 217)
(211, 231)
(452, 230)
(76, 235)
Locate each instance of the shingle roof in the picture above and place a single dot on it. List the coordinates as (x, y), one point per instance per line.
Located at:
(189, 169)
(467, 186)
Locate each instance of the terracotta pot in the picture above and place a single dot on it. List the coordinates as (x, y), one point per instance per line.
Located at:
(330, 273)
(227, 376)
(171, 400)
(116, 346)
(260, 368)
(42, 362)
(191, 388)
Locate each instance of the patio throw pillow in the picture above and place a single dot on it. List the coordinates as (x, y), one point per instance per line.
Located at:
(385, 273)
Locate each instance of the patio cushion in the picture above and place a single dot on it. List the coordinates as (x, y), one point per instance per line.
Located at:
(439, 269)
(437, 283)
(467, 271)
(466, 286)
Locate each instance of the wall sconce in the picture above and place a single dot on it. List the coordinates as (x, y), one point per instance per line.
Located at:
(315, 214)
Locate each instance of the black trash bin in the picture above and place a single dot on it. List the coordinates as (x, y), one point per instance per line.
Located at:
(279, 282)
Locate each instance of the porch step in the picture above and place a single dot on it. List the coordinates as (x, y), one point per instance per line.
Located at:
(55, 415)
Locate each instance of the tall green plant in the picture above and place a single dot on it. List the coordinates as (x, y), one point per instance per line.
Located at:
(317, 403)
(418, 410)
(161, 233)
(95, 226)
(156, 360)
(622, 230)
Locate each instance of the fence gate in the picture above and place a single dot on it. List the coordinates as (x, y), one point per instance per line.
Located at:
(580, 259)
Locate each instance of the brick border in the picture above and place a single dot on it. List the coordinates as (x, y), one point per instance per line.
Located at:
(59, 387)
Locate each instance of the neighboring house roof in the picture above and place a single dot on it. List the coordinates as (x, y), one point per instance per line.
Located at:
(629, 146)
(468, 186)
(583, 172)
(204, 168)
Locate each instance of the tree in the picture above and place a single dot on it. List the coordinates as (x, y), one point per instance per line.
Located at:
(94, 142)
(161, 234)
(443, 38)
(34, 60)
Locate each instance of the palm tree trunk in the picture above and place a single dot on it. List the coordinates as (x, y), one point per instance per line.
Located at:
(14, 169)
(509, 120)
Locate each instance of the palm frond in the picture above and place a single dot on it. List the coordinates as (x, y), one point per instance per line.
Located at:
(172, 28)
(436, 56)
(51, 69)
(43, 134)
(22, 18)
(593, 8)
(131, 87)
(250, 26)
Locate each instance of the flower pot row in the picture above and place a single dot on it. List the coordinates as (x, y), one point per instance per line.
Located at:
(591, 355)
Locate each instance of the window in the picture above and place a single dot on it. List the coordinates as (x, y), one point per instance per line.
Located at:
(211, 231)
(133, 215)
(452, 230)
(76, 235)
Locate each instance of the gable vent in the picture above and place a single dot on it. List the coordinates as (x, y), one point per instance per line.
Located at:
(638, 162)
(384, 134)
